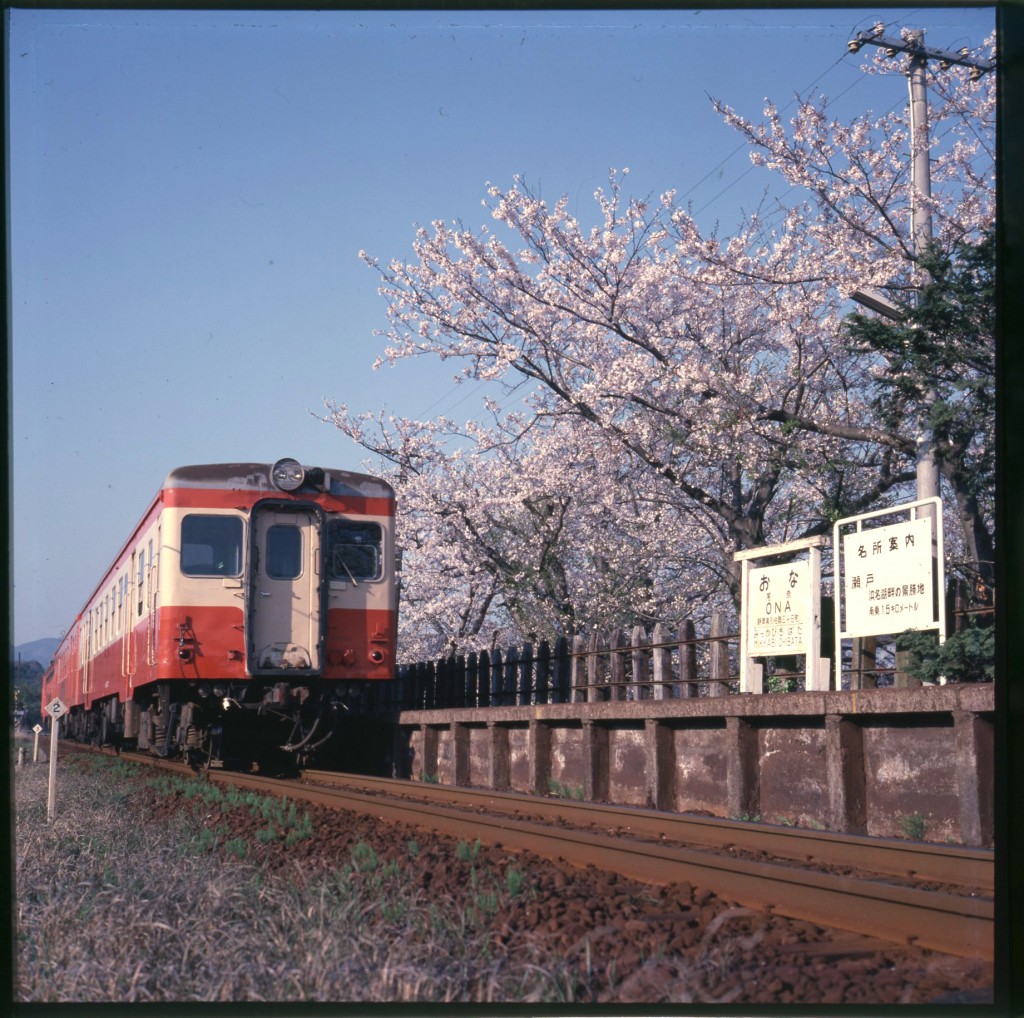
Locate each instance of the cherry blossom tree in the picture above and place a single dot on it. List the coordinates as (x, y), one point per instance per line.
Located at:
(679, 396)
(644, 433)
(533, 539)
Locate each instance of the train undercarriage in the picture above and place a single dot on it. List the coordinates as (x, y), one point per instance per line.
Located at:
(275, 729)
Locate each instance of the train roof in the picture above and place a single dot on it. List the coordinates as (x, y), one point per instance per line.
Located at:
(244, 477)
(257, 477)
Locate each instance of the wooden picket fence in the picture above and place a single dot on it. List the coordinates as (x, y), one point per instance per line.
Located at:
(620, 666)
(634, 666)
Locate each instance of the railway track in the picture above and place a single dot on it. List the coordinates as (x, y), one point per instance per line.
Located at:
(967, 868)
(793, 873)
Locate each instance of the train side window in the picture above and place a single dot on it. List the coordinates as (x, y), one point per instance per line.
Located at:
(211, 545)
(354, 550)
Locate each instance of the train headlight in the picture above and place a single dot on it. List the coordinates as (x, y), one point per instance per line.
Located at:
(287, 474)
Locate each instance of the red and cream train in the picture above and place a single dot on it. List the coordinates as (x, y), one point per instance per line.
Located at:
(247, 610)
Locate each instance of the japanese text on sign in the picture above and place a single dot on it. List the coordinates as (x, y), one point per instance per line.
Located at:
(777, 602)
(888, 579)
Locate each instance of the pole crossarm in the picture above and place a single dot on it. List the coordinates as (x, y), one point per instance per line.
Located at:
(918, 51)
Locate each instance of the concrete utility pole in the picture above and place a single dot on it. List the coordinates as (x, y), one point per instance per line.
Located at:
(921, 181)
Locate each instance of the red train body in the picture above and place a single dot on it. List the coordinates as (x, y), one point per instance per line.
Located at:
(250, 606)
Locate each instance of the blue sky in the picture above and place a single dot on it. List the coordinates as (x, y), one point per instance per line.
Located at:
(189, 191)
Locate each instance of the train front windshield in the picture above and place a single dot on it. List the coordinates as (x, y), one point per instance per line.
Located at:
(354, 550)
(211, 545)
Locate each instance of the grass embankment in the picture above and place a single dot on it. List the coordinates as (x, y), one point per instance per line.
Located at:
(115, 903)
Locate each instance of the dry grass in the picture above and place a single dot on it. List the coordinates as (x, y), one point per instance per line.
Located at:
(112, 906)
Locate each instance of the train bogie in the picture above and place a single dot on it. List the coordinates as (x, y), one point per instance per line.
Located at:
(250, 607)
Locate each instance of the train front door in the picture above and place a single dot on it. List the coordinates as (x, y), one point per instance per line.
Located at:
(285, 609)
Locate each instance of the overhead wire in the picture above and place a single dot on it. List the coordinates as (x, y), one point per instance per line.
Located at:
(736, 151)
(778, 200)
(744, 145)
(780, 209)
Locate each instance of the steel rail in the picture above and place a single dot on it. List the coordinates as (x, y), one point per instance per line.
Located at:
(969, 868)
(953, 924)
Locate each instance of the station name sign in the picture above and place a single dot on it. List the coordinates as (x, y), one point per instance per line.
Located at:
(778, 609)
(781, 610)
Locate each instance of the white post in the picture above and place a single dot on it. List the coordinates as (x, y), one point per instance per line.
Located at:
(56, 708)
(35, 743)
(51, 795)
(813, 670)
(747, 678)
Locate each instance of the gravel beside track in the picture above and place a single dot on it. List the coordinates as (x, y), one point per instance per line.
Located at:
(590, 936)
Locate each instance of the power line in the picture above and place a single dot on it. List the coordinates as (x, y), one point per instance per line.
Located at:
(743, 145)
(876, 33)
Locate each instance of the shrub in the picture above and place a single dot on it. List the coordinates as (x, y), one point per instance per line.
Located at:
(967, 656)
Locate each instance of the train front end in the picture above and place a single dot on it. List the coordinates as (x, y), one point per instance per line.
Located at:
(276, 609)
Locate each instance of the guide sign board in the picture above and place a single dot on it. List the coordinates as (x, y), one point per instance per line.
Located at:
(889, 569)
(887, 579)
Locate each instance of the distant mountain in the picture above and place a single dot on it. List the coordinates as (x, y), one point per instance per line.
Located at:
(38, 650)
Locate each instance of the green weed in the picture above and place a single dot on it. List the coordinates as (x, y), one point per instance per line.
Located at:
(364, 858)
(565, 791)
(913, 825)
(514, 881)
(467, 853)
(237, 847)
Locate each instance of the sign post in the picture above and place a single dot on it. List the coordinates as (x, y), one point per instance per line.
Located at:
(56, 708)
(35, 743)
(781, 611)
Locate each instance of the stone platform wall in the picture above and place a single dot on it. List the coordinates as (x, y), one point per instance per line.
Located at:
(880, 762)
